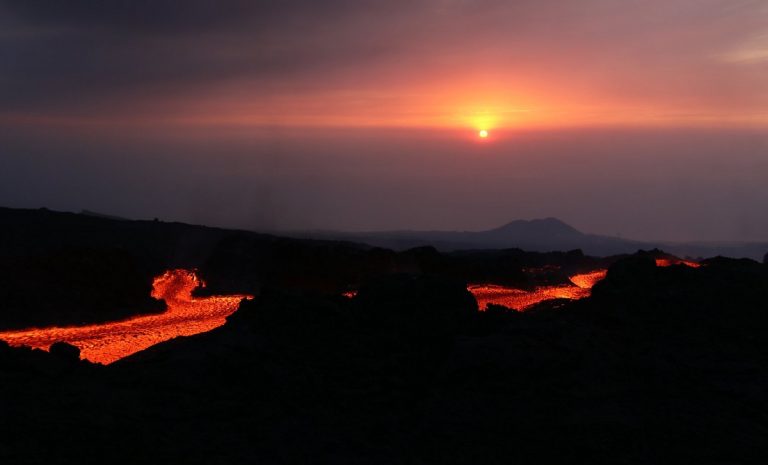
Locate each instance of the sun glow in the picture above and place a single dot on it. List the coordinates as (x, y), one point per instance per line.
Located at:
(483, 133)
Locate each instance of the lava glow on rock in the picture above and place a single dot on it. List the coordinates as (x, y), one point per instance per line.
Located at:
(187, 315)
(108, 342)
(520, 299)
(670, 261)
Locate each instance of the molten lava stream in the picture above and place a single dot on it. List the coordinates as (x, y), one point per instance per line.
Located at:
(676, 261)
(520, 299)
(108, 342)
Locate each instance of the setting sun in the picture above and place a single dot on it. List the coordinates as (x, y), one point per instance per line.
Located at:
(483, 133)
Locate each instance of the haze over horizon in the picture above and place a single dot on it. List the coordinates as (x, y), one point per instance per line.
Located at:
(641, 119)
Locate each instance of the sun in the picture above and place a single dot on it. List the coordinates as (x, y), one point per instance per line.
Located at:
(483, 133)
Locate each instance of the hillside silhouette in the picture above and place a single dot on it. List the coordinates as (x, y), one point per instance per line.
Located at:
(64, 268)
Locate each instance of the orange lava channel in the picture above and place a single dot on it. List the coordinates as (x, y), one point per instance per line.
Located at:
(676, 261)
(521, 300)
(109, 342)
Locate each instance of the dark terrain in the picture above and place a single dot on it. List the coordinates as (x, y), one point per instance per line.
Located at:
(63, 268)
(660, 365)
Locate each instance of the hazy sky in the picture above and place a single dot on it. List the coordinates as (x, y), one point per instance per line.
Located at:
(646, 118)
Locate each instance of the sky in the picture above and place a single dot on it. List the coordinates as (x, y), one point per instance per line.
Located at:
(645, 119)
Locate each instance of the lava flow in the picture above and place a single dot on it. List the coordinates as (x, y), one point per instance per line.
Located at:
(670, 261)
(520, 299)
(108, 342)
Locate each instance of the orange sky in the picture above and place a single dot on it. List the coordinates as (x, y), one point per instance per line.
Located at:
(642, 118)
(430, 63)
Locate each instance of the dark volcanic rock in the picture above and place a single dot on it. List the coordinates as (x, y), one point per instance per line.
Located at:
(661, 365)
(73, 286)
(244, 263)
(65, 351)
(423, 306)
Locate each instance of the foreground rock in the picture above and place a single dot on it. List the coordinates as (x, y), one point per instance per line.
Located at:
(661, 365)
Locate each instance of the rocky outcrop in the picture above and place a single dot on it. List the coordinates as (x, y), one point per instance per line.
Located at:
(73, 286)
(65, 351)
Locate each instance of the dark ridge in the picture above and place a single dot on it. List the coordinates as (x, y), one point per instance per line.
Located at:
(661, 365)
(102, 215)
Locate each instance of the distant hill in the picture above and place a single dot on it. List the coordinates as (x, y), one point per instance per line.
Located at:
(102, 215)
(183, 245)
(538, 235)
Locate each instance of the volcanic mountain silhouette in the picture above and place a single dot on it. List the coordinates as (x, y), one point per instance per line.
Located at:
(532, 231)
(545, 234)
(540, 235)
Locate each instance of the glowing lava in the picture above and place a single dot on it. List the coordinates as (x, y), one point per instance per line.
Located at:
(520, 299)
(587, 280)
(108, 342)
(676, 261)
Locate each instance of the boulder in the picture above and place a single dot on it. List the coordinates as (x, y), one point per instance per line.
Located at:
(65, 351)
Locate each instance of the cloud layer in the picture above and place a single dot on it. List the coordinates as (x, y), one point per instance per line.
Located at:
(428, 62)
(640, 117)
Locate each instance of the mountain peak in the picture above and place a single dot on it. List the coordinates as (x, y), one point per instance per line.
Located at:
(544, 226)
